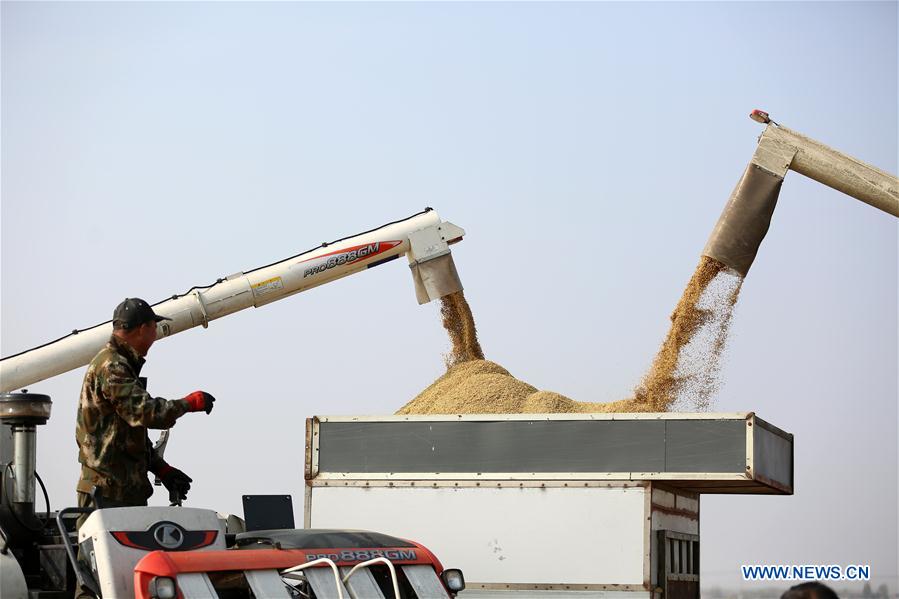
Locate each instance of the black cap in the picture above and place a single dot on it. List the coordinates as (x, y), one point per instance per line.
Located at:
(134, 312)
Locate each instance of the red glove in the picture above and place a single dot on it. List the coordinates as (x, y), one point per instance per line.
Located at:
(199, 401)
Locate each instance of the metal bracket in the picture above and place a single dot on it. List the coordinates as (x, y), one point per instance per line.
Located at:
(164, 328)
(433, 270)
(774, 155)
(159, 448)
(205, 321)
(427, 244)
(433, 242)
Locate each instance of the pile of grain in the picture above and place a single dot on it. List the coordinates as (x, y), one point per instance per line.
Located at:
(484, 387)
(684, 372)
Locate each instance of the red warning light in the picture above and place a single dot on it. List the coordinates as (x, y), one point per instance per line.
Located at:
(760, 116)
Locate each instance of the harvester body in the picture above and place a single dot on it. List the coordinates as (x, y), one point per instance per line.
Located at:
(190, 553)
(169, 552)
(37, 555)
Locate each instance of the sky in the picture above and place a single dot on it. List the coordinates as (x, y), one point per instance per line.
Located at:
(586, 148)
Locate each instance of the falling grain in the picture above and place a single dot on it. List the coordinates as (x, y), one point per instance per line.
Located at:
(686, 368)
(459, 324)
(684, 372)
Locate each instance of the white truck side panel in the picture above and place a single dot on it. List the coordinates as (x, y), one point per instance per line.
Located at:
(674, 511)
(675, 523)
(544, 536)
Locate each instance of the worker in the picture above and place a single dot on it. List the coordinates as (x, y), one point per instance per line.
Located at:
(810, 590)
(114, 413)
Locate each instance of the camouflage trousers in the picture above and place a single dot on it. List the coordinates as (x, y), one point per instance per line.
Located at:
(85, 500)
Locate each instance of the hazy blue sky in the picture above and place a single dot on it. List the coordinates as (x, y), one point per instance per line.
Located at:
(587, 149)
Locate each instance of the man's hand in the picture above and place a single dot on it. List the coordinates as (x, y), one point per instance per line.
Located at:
(177, 483)
(199, 401)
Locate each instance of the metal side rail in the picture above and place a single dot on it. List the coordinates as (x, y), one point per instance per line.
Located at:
(362, 585)
(84, 576)
(317, 581)
(424, 582)
(376, 560)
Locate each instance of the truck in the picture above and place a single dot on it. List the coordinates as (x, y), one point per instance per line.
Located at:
(536, 505)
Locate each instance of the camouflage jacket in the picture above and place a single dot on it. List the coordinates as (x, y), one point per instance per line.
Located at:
(114, 414)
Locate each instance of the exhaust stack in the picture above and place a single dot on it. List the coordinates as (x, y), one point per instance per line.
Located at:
(23, 413)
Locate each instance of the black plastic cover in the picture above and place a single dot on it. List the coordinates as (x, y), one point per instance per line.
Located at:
(312, 538)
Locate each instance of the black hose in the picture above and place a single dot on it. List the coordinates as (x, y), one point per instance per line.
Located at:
(46, 496)
(9, 506)
(4, 540)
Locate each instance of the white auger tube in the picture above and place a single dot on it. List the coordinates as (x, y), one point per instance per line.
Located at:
(423, 237)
